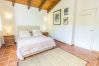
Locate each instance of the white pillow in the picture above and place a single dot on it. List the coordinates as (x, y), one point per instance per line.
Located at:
(23, 34)
(36, 32)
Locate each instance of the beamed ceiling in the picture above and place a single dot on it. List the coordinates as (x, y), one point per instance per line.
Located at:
(40, 4)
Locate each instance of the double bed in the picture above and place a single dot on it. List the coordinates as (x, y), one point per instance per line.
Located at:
(27, 46)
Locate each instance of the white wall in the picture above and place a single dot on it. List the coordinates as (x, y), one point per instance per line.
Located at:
(83, 34)
(7, 19)
(23, 16)
(6, 12)
(19, 15)
(81, 39)
(62, 32)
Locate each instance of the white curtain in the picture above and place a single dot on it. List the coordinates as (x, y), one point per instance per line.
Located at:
(1, 38)
(0, 24)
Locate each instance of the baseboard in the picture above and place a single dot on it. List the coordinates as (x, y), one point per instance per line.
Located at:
(64, 42)
(95, 51)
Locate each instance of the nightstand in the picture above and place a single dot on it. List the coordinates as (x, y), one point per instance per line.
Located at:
(9, 40)
(45, 33)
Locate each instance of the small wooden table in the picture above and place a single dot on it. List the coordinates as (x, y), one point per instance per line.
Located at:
(46, 33)
(9, 40)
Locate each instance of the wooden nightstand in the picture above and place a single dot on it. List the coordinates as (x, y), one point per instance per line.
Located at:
(45, 33)
(9, 40)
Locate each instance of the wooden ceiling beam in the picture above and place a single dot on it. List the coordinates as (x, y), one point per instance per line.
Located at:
(41, 5)
(13, 2)
(29, 3)
(54, 3)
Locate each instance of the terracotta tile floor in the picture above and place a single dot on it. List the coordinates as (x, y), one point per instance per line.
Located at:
(8, 56)
(89, 56)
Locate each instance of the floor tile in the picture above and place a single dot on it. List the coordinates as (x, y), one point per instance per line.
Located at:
(8, 56)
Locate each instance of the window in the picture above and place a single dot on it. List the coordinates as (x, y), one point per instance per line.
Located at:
(0, 24)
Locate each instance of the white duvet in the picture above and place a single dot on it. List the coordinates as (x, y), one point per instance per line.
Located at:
(32, 45)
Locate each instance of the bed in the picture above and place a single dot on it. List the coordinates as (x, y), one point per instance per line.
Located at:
(30, 45)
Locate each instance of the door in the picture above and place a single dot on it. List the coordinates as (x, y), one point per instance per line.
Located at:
(84, 28)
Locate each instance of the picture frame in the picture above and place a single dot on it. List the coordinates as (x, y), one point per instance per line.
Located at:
(65, 21)
(57, 17)
(66, 11)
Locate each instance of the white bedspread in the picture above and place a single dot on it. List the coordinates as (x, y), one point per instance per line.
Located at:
(32, 45)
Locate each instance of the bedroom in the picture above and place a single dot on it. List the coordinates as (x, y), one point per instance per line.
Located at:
(79, 36)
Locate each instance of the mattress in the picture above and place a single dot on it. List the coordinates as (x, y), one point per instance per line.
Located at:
(32, 45)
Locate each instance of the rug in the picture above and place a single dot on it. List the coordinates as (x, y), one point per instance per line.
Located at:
(53, 57)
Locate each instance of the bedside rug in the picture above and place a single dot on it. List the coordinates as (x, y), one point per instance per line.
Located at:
(54, 57)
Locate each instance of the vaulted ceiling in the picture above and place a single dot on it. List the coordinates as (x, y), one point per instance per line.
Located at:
(41, 4)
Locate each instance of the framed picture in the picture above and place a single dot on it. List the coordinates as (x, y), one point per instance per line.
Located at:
(57, 17)
(65, 21)
(66, 11)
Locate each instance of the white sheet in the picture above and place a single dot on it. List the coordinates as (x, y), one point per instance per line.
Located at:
(32, 45)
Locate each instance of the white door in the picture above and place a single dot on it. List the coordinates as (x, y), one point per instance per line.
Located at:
(84, 28)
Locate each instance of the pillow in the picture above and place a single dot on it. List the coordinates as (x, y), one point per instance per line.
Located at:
(23, 34)
(36, 32)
